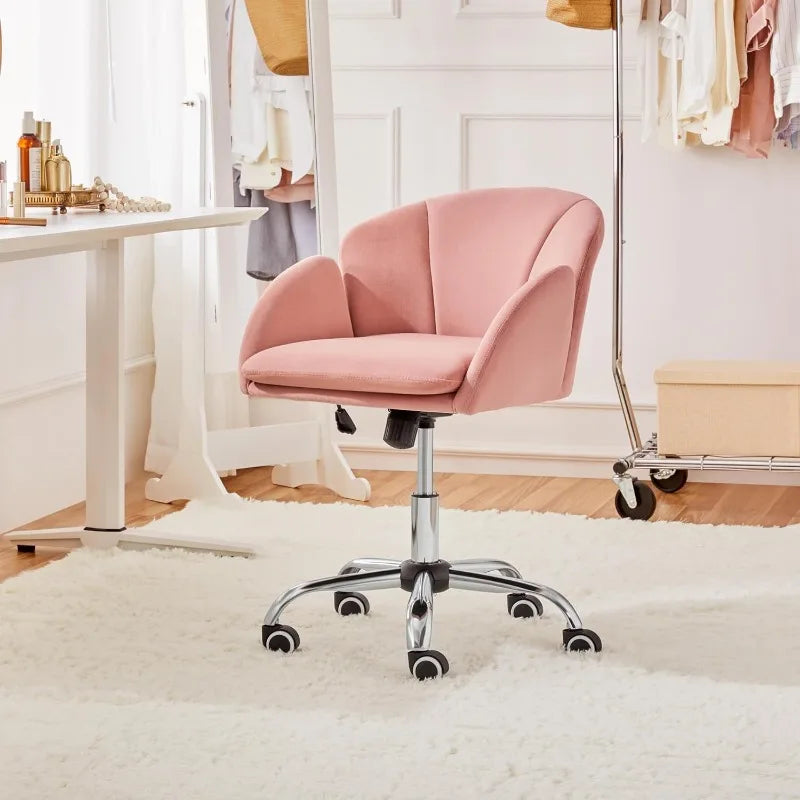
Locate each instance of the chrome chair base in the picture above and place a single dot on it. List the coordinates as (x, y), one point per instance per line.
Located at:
(423, 576)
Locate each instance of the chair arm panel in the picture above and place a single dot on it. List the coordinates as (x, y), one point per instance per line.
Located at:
(305, 302)
(522, 357)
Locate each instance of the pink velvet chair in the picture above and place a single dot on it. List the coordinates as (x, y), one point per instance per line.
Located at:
(460, 304)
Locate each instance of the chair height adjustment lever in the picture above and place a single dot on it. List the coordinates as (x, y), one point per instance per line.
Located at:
(344, 422)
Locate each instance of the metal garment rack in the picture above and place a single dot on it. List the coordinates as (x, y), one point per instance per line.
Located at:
(668, 473)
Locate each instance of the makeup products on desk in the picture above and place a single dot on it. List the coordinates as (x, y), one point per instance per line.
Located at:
(37, 222)
(30, 155)
(3, 190)
(58, 170)
(19, 199)
(43, 131)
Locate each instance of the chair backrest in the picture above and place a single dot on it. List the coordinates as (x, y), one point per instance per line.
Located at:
(447, 265)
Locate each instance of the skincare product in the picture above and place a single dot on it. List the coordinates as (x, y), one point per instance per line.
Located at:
(43, 129)
(3, 190)
(58, 171)
(19, 199)
(30, 155)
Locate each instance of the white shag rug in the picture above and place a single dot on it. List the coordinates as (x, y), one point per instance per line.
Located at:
(142, 675)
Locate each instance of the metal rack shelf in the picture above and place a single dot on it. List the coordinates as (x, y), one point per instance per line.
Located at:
(667, 472)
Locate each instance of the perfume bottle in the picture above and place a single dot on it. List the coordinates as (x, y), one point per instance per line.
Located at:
(58, 170)
(3, 190)
(30, 155)
(43, 129)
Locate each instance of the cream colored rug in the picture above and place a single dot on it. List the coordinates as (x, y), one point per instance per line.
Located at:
(142, 675)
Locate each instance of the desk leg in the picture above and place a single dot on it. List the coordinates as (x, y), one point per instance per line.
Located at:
(105, 412)
(105, 402)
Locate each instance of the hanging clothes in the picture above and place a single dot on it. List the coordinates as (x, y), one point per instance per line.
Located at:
(272, 142)
(754, 119)
(648, 65)
(286, 234)
(672, 49)
(699, 65)
(785, 66)
(724, 97)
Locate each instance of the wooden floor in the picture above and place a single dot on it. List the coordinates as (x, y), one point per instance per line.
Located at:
(697, 502)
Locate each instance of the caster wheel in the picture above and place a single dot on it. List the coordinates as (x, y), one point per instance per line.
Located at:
(349, 603)
(425, 664)
(26, 548)
(645, 506)
(280, 638)
(582, 640)
(669, 480)
(524, 606)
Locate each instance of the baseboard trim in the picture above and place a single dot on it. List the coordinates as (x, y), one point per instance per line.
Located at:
(60, 384)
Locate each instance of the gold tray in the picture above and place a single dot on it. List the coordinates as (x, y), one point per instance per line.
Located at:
(76, 197)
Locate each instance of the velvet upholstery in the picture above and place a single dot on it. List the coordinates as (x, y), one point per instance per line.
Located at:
(398, 363)
(463, 303)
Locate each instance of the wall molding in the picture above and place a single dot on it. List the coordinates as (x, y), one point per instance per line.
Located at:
(518, 8)
(513, 8)
(365, 9)
(587, 67)
(466, 119)
(65, 382)
(392, 119)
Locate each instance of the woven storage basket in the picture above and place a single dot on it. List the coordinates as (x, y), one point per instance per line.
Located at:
(280, 28)
(592, 14)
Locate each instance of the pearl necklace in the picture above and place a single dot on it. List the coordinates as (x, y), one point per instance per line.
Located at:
(116, 200)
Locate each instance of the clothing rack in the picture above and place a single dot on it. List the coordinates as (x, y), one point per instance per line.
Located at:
(635, 499)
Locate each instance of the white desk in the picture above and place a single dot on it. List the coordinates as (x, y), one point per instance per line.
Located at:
(103, 237)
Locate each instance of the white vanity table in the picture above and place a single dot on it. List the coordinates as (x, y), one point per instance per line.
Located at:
(192, 475)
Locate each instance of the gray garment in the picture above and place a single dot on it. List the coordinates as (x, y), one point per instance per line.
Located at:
(286, 234)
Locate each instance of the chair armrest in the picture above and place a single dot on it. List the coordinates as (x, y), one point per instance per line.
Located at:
(305, 302)
(523, 355)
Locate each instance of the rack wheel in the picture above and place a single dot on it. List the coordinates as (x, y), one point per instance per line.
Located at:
(425, 664)
(645, 505)
(524, 606)
(582, 640)
(280, 638)
(669, 480)
(349, 603)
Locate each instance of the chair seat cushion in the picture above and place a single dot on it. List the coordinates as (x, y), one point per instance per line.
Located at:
(397, 363)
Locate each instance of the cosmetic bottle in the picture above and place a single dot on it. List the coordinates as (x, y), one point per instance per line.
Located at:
(3, 190)
(30, 155)
(58, 171)
(19, 199)
(43, 128)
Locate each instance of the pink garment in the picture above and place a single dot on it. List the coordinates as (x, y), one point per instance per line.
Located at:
(288, 192)
(464, 303)
(754, 118)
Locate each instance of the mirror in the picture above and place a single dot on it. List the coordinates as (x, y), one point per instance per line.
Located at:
(274, 149)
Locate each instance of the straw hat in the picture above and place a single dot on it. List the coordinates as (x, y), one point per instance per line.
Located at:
(594, 14)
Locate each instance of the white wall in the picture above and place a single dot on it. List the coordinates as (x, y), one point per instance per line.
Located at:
(434, 96)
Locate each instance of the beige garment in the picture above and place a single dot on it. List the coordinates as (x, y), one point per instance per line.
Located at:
(740, 34)
(724, 96)
(592, 14)
(664, 9)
